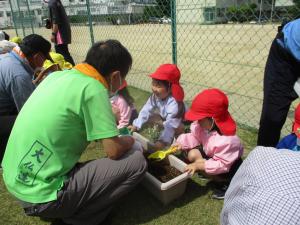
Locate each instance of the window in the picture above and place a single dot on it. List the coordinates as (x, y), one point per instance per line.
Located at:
(81, 12)
(209, 14)
(1, 13)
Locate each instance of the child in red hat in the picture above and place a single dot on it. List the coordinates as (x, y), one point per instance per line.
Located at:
(123, 107)
(167, 102)
(292, 141)
(215, 131)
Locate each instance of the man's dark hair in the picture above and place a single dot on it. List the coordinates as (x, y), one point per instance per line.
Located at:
(109, 56)
(35, 43)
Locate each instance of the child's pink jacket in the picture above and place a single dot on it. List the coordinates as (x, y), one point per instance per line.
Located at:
(122, 110)
(222, 150)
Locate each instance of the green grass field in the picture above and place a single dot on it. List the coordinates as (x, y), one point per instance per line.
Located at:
(195, 207)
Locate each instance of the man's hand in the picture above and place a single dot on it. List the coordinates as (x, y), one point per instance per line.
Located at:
(41, 75)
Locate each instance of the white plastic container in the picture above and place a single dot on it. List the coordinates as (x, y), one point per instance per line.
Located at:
(171, 190)
(168, 191)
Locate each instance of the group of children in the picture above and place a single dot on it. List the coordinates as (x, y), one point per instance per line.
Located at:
(212, 147)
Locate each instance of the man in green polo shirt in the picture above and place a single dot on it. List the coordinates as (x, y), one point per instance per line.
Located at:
(67, 110)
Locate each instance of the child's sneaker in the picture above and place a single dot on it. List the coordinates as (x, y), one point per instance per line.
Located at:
(220, 192)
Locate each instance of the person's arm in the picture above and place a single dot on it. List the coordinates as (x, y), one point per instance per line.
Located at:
(20, 89)
(96, 113)
(143, 115)
(125, 112)
(116, 147)
(55, 19)
(190, 140)
(171, 122)
(224, 155)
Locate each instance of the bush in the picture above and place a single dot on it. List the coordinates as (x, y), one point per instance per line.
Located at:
(241, 13)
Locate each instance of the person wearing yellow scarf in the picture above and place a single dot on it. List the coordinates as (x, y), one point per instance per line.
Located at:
(69, 109)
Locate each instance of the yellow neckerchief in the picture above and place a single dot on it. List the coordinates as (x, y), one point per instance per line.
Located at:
(90, 71)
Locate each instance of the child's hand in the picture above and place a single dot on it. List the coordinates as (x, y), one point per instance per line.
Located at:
(132, 128)
(178, 147)
(191, 168)
(198, 165)
(159, 145)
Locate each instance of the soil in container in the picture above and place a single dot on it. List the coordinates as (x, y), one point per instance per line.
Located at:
(162, 170)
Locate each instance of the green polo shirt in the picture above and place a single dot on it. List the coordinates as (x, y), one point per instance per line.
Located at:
(67, 110)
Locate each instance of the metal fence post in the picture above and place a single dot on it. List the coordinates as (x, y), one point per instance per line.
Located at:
(21, 18)
(30, 16)
(174, 32)
(13, 18)
(90, 21)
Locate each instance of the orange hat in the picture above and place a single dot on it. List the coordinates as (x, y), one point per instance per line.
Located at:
(212, 103)
(296, 125)
(170, 73)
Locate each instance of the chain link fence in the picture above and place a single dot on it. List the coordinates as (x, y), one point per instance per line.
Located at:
(215, 43)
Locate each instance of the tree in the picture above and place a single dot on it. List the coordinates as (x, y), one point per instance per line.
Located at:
(165, 7)
(151, 11)
(242, 13)
(296, 8)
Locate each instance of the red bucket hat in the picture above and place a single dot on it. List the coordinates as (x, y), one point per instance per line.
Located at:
(170, 73)
(212, 103)
(296, 125)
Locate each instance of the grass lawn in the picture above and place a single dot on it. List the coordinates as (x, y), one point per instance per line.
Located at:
(195, 207)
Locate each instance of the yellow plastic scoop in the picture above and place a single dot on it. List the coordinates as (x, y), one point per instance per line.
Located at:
(160, 155)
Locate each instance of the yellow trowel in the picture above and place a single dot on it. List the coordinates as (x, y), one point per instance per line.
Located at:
(160, 155)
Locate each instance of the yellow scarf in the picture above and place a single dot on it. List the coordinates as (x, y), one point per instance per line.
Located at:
(90, 71)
